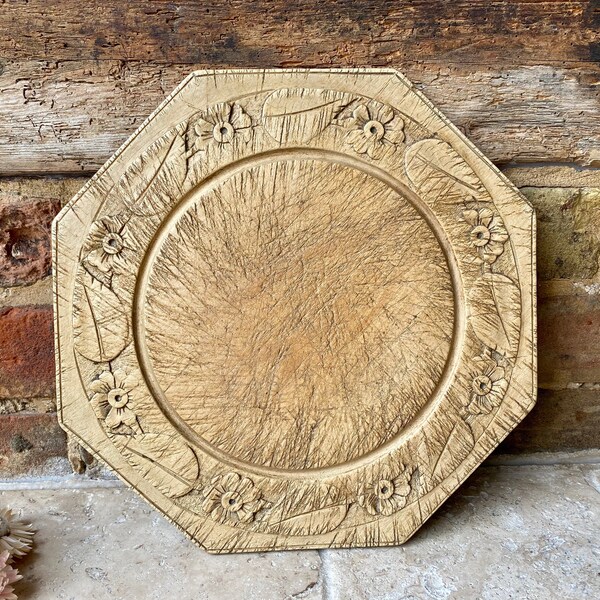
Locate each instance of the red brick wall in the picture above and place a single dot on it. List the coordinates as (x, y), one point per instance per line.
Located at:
(30, 438)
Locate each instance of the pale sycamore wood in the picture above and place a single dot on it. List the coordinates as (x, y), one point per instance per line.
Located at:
(296, 309)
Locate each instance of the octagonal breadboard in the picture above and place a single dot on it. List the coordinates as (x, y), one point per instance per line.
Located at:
(295, 309)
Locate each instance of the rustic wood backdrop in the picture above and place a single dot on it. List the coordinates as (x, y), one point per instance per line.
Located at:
(522, 80)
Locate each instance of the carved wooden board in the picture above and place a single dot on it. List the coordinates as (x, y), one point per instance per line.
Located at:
(296, 309)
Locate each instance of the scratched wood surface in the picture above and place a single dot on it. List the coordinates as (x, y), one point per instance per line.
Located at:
(520, 78)
(296, 309)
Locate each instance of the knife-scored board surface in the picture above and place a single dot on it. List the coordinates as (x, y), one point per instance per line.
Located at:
(295, 309)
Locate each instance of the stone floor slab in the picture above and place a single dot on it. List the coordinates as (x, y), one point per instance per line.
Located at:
(522, 532)
(101, 544)
(528, 533)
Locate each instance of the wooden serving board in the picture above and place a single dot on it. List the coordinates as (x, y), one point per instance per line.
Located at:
(296, 309)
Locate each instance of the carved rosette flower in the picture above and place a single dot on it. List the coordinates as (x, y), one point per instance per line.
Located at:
(107, 243)
(112, 399)
(222, 123)
(387, 493)
(375, 131)
(487, 233)
(488, 384)
(231, 497)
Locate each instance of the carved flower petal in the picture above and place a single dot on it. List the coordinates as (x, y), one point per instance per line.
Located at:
(496, 248)
(245, 488)
(394, 131)
(100, 386)
(108, 378)
(387, 148)
(481, 362)
(470, 216)
(251, 494)
(486, 403)
(387, 473)
(211, 502)
(204, 130)
(254, 506)
(377, 149)
(230, 481)
(384, 114)
(219, 113)
(387, 506)
(219, 514)
(401, 488)
(346, 122)
(99, 402)
(486, 256)
(500, 387)
(399, 500)
(483, 366)
(369, 503)
(128, 417)
(113, 419)
(100, 259)
(498, 235)
(119, 375)
(358, 140)
(361, 114)
(116, 223)
(355, 136)
(239, 119)
(473, 408)
(485, 216)
(497, 374)
(245, 516)
(129, 382)
(98, 230)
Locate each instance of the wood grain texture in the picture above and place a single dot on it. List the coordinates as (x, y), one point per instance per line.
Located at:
(293, 33)
(321, 298)
(520, 78)
(296, 309)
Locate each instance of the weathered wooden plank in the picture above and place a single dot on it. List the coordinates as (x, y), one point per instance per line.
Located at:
(267, 33)
(78, 78)
(70, 116)
(553, 176)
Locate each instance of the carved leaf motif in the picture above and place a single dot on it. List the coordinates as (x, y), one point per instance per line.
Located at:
(495, 302)
(103, 277)
(440, 454)
(456, 447)
(154, 179)
(164, 460)
(100, 327)
(437, 172)
(297, 115)
(293, 516)
(313, 523)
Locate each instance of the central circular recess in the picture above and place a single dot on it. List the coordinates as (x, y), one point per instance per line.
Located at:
(298, 314)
